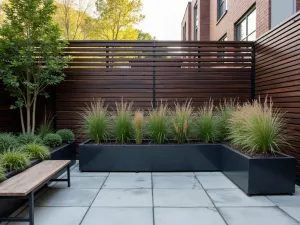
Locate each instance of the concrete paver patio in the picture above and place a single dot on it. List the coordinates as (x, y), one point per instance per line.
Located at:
(158, 199)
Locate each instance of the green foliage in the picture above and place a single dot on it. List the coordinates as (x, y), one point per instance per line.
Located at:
(138, 126)
(14, 160)
(52, 140)
(182, 119)
(158, 123)
(7, 141)
(122, 121)
(206, 124)
(258, 127)
(31, 54)
(46, 126)
(222, 118)
(96, 121)
(2, 174)
(27, 138)
(66, 135)
(36, 151)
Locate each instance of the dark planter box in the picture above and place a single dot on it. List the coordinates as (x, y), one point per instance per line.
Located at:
(255, 176)
(148, 158)
(64, 152)
(260, 176)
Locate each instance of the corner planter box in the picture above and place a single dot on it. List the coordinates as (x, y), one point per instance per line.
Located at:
(148, 158)
(66, 151)
(259, 176)
(255, 176)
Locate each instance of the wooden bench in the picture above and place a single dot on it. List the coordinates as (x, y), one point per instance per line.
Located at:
(26, 183)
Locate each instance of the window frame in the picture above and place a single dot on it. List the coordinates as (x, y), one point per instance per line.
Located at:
(241, 20)
(196, 22)
(219, 13)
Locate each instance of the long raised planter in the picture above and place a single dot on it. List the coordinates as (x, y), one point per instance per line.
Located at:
(255, 176)
(148, 158)
(64, 152)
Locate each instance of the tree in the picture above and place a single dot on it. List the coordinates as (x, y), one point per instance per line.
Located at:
(72, 17)
(118, 17)
(144, 36)
(31, 54)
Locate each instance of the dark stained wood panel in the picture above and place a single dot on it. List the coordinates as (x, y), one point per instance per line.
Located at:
(277, 70)
(146, 71)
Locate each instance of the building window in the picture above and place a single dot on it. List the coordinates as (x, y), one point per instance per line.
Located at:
(223, 38)
(196, 22)
(221, 8)
(184, 32)
(246, 27)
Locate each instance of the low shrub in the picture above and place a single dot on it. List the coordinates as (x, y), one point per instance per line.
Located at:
(158, 123)
(36, 151)
(182, 118)
(2, 174)
(7, 141)
(138, 126)
(122, 121)
(222, 117)
(14, 160)
(206, 127)
(52, 140)
(258, 127)
(66, 135)
(27, 138)
(96, 121)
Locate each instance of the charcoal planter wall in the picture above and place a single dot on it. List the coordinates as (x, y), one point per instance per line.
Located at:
(255, 176)
(66, 151)
(148, 158)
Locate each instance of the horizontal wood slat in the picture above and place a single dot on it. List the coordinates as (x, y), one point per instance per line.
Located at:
(143, 71)
(277, 75)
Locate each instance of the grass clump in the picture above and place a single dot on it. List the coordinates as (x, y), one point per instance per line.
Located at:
(122, 121)
(222, 117)
(206, 128)
(158, 123)
(181, 121)
(14, 160)
(7, 141)
(66, 135)
(28, 138)
(138, 126)
(46, 126)
(96, 121)
(52, 140)
(2, 174)
(36, 151)
(258, 128)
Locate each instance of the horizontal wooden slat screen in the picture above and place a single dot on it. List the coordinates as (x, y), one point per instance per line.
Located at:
(277, 66)
(146, 71)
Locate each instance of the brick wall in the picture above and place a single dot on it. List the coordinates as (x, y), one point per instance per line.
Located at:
(235, 10)
(204, 18)
(298, 5)
(193, 4)
(187, 19)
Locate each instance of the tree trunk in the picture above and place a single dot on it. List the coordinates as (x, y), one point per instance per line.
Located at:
(28, 119)
(33, 113)
(22, 120)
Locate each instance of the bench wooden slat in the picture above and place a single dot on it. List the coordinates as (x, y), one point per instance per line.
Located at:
(24, 183)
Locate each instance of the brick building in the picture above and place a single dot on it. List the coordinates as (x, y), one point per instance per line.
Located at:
(234, 19)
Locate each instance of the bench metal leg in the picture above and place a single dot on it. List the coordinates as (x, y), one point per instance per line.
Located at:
(31, 208)
(68, 172)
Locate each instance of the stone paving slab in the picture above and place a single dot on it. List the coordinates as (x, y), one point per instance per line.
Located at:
(256, 216)
(286, 200)
(55, 215)
(187, 216)
(209, 174)
(82, 182)
(191, 174)
(176, 182)
(67, 197)
(216, 182)
(76, 173)
(119, 216)
(181, 198)
(292, 211)
(124, 198)
(235, 197)
(128, 181)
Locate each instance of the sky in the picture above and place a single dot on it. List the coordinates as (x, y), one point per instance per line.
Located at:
(163, 18)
